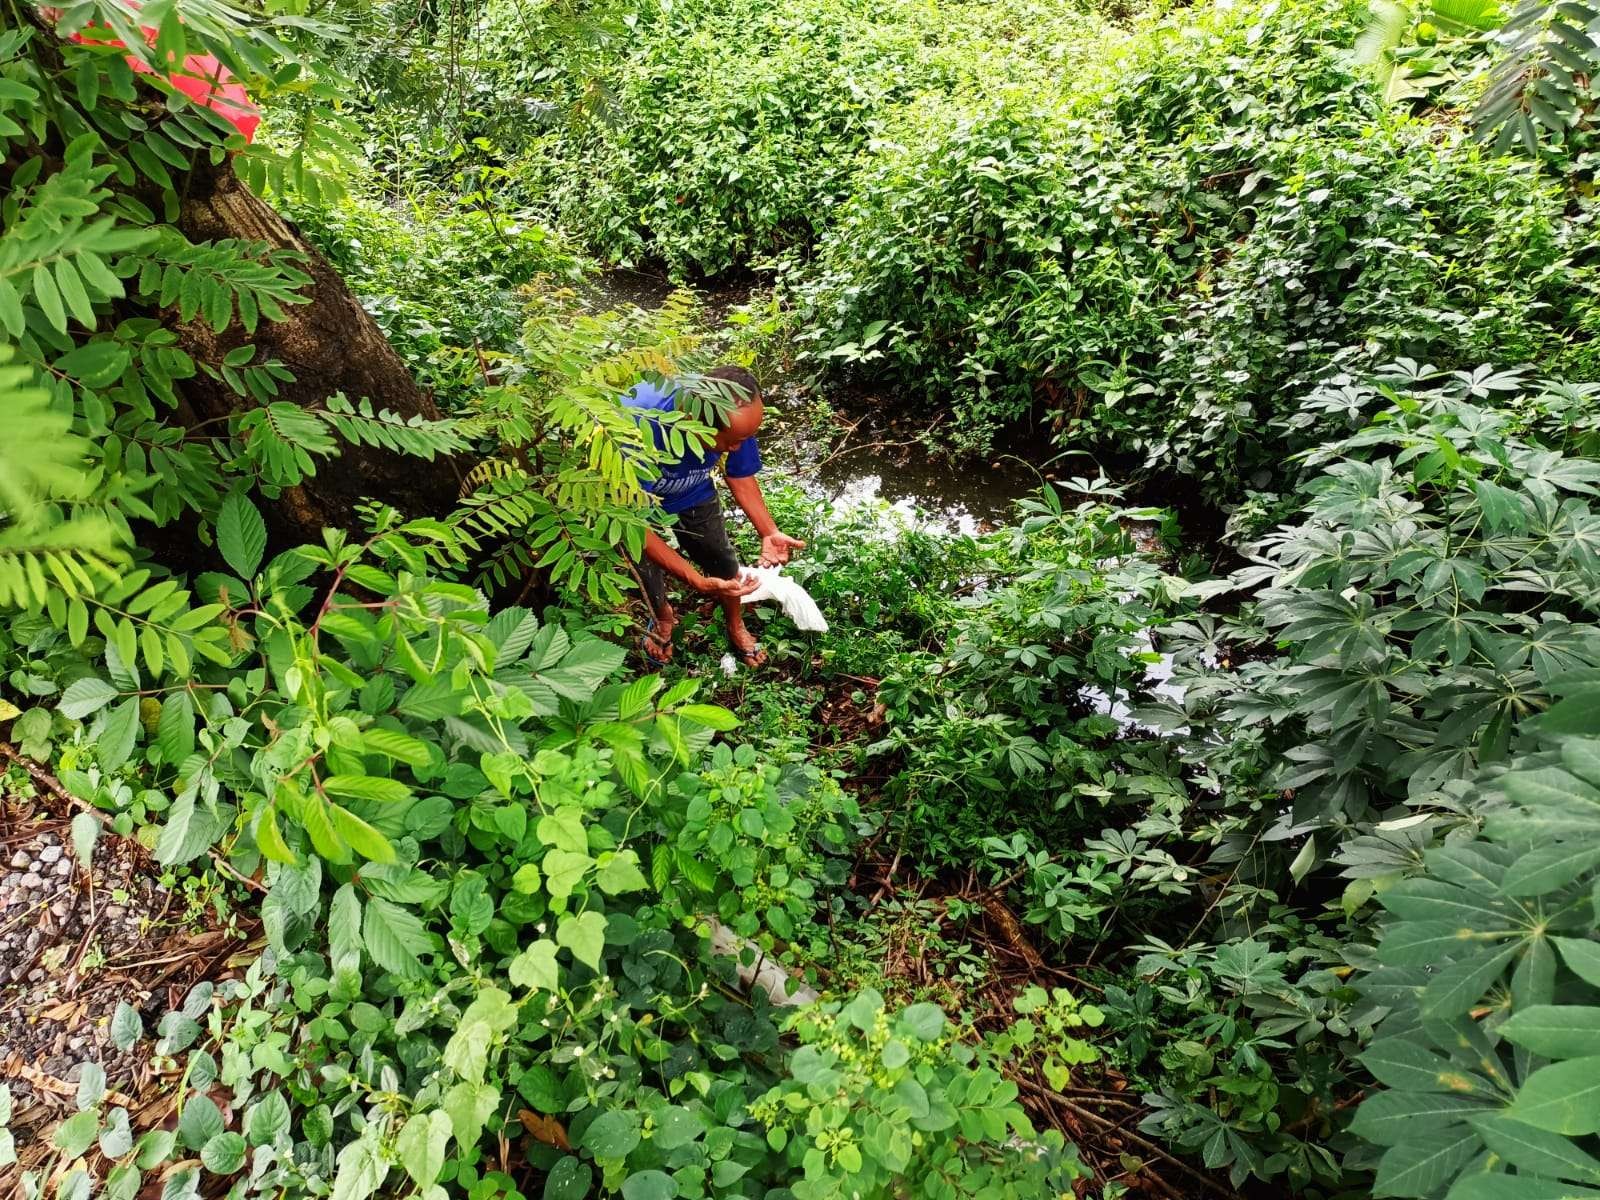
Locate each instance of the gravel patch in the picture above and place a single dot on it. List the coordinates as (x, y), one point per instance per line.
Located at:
(70, 944)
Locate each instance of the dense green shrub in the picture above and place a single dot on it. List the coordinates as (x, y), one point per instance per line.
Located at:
(1441, 580)
(442, 282)
(728, 129)
(1157, 255)
(1488, 970)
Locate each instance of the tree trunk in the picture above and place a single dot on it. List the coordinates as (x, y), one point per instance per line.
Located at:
(331, 345)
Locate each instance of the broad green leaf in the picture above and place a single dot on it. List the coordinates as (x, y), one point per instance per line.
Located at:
(1517, 1187)
(266, 1119)
(612, 1135)
(118, 734)
(1423, 1165)
(564, 830)
(620, 873)
(584, 668)
(361, 1169)
(1433, 900)
(468, 1106)
(397, 746)
(85, 832)
(77, 1133)
(1404, 1065)
(394, 937)
(360, 836)
(1546, 869)
(563, 870)
(1534, 1150)
(924, 1021)
(48, 297)
(116, 1134)
(1388, 1118)
(1582, 956)
(224, 1154)
(126, 1027)
(367, 787)
(585, 936)
(269, 838)
(85, 696)
(649, 1185)
(241, 534)
(1562, 1098)
(1556, 1030)
(344, 926)
(676, 1126)
(91, 1085)
(189, 832)
(154, 1148)
(1459, 986)
(535, 967)
(421, 1145)
(569, 1179)
(175, 728)
(200, 1121)
(713, 716)
(467, 1052)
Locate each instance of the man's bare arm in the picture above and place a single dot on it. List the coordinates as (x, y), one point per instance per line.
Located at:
(775, 545)
(676, 565)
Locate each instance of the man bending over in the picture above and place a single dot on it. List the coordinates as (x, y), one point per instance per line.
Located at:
(704, 558)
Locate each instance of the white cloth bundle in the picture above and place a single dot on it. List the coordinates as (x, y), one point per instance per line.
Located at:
(795, 601)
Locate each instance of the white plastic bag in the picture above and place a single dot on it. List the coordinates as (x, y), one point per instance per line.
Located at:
(795, 601)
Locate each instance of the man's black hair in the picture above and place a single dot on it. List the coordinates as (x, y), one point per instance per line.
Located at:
(747, 388)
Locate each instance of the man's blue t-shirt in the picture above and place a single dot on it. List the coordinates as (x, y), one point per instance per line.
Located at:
(687, 483)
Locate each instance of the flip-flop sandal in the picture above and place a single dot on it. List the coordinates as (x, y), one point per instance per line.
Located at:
(747, 656)
(647, 640)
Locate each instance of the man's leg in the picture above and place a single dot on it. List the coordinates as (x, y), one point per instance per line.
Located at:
(703, 536)
(654, 581)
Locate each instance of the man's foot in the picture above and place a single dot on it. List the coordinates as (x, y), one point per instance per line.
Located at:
(655, 643)
(745, 647)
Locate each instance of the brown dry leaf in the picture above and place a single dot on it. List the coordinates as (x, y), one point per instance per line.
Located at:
(545, 1129)
(67, 1011)
(13, 1067)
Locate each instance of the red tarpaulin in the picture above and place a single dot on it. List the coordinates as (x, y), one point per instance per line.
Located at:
(201, 78)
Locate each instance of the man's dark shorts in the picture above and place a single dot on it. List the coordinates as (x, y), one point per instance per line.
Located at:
(702, 537)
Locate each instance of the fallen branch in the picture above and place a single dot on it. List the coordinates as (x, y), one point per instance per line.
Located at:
(1011, 929)
(1107, 1124)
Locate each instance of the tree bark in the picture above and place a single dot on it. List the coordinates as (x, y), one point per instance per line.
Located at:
(331, 344)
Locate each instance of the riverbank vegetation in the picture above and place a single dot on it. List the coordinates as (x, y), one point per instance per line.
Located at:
(1236, 837)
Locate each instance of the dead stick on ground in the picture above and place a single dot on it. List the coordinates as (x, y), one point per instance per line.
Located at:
(888, 879)
(1145, 1144)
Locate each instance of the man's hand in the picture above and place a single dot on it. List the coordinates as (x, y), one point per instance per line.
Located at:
(726, 589)
(775, 548)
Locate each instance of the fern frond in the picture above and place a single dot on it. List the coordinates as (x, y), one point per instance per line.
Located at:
(40, 458)
(219, 280)
(489, 470)
(74, 556)
(1539, 90)
(359, 424)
